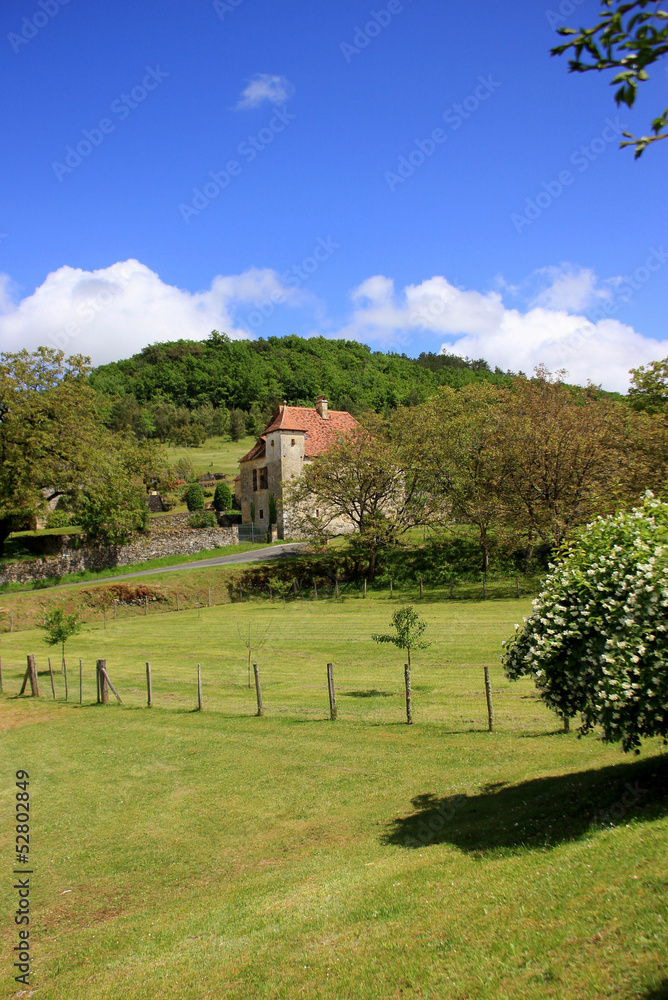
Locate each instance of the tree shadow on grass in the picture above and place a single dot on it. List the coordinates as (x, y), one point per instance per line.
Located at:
(658, 992)
(539, 813)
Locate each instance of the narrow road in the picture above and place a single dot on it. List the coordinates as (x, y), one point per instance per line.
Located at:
(258, 555)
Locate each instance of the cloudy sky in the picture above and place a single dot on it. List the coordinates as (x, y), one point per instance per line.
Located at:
(415, 175)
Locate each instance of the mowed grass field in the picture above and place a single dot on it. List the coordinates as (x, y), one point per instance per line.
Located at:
(194, 855)
(217, 454)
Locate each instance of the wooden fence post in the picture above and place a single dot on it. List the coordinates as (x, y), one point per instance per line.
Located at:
(420, 588)
(80, 682)
(258, 690)
(332, 693)
(209, 596)
(11, 622)
(145, 604)
(391, 587)
(294, 583)
(103, 689)
(104, 614)
(409, 706)
(484, 586)
(517, 586)
(149, 686)
(0, 675)
(315, 590)
(452, 586)
(365, 586)
(65, 678)
(336, 585)
(30, 675)
(178, 606)
(488, 695)
(199, 687)
(53, 689)
(115, 603)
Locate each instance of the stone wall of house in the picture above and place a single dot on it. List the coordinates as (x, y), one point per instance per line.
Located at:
(153, 545)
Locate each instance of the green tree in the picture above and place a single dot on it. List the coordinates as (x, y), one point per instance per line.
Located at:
(222, 497)
(112, 507)
(408, 631)
(50, 434)
(237, 425)
(596, 642)
(649, 387)
(194, 497)
(628, 37)
(60, 627)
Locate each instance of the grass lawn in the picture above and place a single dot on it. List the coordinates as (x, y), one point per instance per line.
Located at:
(217, 454)
(189, 856)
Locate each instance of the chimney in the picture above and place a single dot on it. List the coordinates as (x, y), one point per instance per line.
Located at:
(321, 406)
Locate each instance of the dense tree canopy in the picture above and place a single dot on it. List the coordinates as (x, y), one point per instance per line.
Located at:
(237, 374)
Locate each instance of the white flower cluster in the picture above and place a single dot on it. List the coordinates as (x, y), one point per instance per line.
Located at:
(597, 641)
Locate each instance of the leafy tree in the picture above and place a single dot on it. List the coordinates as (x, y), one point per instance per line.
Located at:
(237, 425)
(50, 436)
(194, 497)
(112, 507)
(455, 437)
(184, 469)
(596, 642)
(563, 455)
(649, 387)
(628, 37)
(222, 497)
(60, 627)
(408, 631)
(359, 480)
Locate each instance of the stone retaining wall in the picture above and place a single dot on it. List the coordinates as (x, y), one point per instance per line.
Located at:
(153, 545)
(169, 521)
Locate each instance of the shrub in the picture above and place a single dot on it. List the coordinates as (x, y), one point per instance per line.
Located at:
(222, 498)
(60, 519)
(194, 497)
(202, 519)
(597, 641)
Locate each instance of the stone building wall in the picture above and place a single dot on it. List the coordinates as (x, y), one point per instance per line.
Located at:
(153, 545)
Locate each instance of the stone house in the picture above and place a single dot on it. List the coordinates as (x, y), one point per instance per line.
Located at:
(294, 435)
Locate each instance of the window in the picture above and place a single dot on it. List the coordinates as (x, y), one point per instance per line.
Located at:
(273, 443)
(255, 479)
(262, 515)
(264, 482)
(293, 442)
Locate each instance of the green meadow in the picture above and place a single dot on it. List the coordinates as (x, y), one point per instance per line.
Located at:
(189, 855)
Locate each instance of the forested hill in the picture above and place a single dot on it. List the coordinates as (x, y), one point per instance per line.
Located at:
(240, 373)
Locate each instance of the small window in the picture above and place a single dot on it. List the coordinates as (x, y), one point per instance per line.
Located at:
(264, 480)
(255, 479)
(293, 442)
(262, 515)
(273, 443)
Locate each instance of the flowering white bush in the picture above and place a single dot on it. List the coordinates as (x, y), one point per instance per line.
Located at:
(597, 640)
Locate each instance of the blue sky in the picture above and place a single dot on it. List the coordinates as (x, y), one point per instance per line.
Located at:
(412, 174)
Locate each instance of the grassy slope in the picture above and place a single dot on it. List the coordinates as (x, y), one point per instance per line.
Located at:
(223, 855)
(217, 454)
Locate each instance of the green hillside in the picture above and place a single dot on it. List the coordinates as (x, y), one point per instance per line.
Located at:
(240, 373)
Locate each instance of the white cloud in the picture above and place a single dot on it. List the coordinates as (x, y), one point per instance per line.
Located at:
(113, 312)
(265, 87)
(481, 326)
(571, 288)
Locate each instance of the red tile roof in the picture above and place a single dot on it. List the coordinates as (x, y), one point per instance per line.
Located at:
(320, 432)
